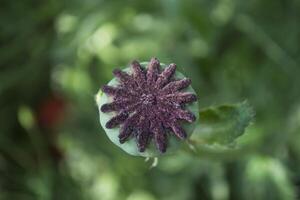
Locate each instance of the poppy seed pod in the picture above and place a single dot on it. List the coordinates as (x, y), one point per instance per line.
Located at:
(148, 109)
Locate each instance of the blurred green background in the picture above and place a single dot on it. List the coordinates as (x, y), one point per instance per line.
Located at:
(56, 54)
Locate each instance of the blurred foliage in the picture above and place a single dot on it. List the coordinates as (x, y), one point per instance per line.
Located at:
(55, 54)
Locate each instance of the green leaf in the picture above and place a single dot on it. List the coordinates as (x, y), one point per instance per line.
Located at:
(220, 126)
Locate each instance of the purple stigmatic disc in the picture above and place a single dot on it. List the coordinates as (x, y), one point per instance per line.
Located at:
(149, 104)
